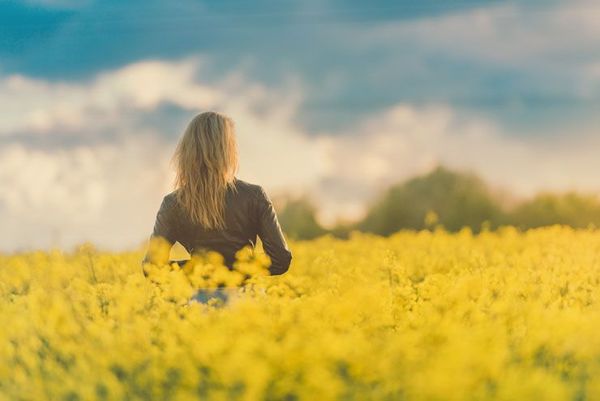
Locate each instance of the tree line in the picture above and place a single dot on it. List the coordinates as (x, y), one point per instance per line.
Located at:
(450, 199)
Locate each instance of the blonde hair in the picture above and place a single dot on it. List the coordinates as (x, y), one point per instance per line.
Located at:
(206, 160)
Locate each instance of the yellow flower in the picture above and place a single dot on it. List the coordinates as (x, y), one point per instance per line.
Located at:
(368, 318)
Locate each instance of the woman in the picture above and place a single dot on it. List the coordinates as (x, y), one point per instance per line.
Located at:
(210, 209)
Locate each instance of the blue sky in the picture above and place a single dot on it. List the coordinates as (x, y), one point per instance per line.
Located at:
(325, 43)
(508, 88)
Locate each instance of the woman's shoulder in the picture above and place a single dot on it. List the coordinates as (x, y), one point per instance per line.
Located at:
(169, 200)
(248, 187)
(171, 196)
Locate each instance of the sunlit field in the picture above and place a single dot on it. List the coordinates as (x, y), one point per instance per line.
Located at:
(424, 315)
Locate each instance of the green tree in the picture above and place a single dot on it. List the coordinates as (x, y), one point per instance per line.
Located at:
(298, 219)
(575, 210)
(451, 199)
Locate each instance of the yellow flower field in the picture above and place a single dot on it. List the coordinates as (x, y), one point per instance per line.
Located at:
(417, 316)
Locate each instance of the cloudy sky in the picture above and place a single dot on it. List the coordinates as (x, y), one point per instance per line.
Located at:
(335, 98)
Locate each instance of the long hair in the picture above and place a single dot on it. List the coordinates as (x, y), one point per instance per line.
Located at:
(206, 160)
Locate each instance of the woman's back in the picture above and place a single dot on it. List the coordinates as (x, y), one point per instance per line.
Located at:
(248, 213)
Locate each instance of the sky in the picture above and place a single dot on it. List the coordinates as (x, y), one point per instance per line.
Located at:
(335, 99)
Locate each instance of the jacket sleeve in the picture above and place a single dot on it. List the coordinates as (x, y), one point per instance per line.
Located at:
(271, 235)
(164, 234)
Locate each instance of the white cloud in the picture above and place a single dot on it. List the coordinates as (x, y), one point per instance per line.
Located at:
(38, 106)
(507, 33)
(103, 193)
(537, 49)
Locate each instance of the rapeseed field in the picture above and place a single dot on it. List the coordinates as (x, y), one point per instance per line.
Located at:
(430, 315)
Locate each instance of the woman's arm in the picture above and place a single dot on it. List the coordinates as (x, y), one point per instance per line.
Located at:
(164, 234)
(271, 235)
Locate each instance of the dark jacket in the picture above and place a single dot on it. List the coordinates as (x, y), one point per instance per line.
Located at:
(248, 212)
